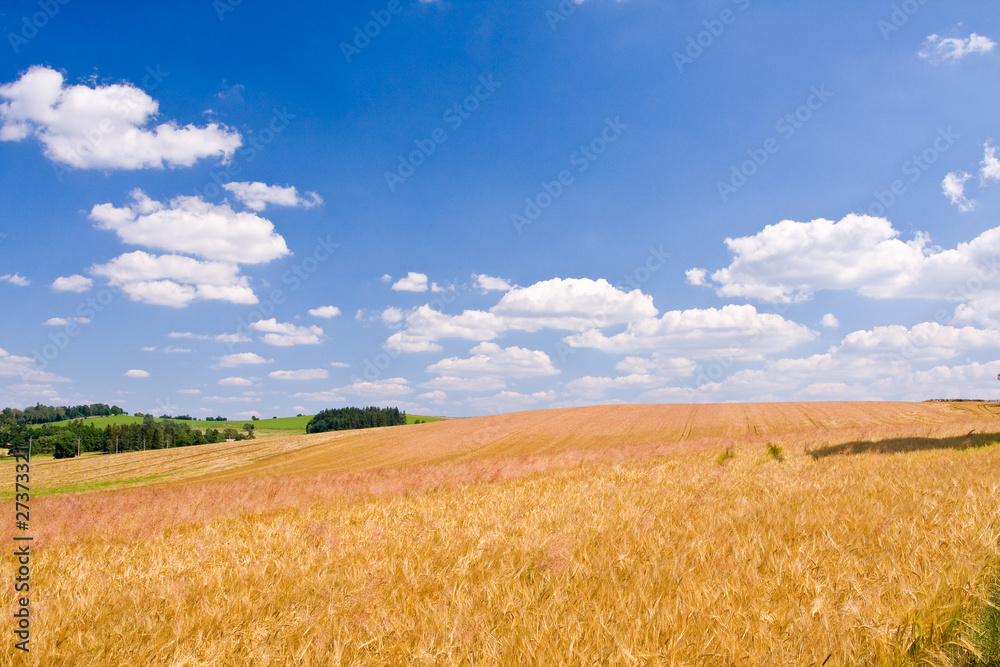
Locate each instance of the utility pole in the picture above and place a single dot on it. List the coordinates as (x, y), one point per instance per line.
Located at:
(77, 446)
(116, 444)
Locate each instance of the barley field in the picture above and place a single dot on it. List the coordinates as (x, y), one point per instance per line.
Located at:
(772, 534)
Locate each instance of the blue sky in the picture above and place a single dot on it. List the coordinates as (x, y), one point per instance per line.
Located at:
(224, 208)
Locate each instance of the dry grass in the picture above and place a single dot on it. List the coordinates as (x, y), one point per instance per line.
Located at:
(660, 553)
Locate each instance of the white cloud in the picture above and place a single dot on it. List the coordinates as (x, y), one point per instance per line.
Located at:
(924, 341)
(236, 382)
(193, 226)
(989, 168)
(511, 400)
(413, 282)
(257, 195)
(789, 261)
(175, 280)
(696, 276)
(103, 127)
(436, 396)
(425, 326)
(489, 283)
(242, 359)
(221, 338)
(830, 321)
(325, 312)
(392, 315)
(658, 364)
(573, 304)
(476, 383)
(286, 334)
(304, 374)
(62, 321)
(951, 50)
(136, 373)
(739, 330)
(74, 283)
(953, 187)
(24, 367)
(339, 364)
(489, 359)
(379, 388)
(15, 279)
(170, 349)
(189, 391)
(330, 397)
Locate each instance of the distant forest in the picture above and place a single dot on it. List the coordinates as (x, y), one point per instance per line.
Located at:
(44, 414)
(342, 419)
(63, 441)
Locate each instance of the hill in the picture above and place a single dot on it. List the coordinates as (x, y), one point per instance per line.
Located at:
(844, 533)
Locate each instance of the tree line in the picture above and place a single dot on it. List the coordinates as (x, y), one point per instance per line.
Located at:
(44, 414)
(342, 419)
(63, 441)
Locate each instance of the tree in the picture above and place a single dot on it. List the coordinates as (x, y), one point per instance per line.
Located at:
(63, 444)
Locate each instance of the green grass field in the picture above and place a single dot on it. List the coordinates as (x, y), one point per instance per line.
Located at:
(263, 428)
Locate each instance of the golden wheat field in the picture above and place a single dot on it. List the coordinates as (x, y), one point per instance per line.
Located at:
(768, 534)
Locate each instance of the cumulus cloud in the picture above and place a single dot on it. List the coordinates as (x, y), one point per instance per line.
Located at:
(951, 50)
(953, 187)
(235, 382)
(15, 279)
(489, 283)
(221, 338)
(571, 304)
(830, 321)
(506, 401)
(24, 367)
(413, 282)
(489, 359)
(62, 321)
(989, 168)
(222, 239)
(695, 276)
(192, 226)
(475, 383)
(103, 126)
(74, 283)
(789, 261)
(286, 334)
(377, 390)
(136, 373)
(257, 195)
(326, 312)
(739, 330)
(175, 280)
(242, 359)
(304, 374)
